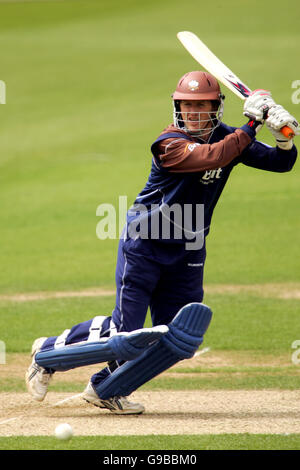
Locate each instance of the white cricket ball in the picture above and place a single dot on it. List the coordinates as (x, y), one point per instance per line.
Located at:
(63, 431)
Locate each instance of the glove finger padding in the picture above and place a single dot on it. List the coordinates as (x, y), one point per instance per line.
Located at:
(257, 105)
(279, 117)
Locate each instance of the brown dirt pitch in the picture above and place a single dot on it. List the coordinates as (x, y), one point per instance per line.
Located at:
(167, 412)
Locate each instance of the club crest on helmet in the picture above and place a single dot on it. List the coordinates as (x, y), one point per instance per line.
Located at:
(193, 85)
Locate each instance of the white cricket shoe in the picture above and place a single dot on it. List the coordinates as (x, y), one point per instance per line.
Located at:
(117, 405)
(37, 378)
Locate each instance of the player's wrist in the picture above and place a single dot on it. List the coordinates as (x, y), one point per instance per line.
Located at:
(251, 128)
(285, 144)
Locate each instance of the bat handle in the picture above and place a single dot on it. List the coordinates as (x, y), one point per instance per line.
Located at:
(287, 132)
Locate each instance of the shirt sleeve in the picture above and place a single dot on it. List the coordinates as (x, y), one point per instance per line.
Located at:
(181, 156)
(263, 157)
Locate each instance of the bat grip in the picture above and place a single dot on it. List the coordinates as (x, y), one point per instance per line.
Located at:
(287, 132)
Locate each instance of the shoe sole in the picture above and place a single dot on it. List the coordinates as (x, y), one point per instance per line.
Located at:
(115, 412)
(91, 401)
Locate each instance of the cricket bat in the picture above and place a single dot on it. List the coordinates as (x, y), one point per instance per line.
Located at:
(220, 71)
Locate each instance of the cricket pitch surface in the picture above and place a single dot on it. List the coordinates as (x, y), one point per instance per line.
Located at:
(167, 412)
(269, 411)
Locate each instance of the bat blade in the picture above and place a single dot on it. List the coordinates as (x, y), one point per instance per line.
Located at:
(212, 64)
(220, 71)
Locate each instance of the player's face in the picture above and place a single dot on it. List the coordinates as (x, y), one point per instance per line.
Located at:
(196, 114)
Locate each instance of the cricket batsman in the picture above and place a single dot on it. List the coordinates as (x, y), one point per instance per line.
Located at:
(160, 269)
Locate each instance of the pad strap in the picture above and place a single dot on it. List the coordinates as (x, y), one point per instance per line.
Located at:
(121, 346)
(95, 328)
(61, 340)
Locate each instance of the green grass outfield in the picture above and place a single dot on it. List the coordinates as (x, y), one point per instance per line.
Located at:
(240, 322)
(88, 87)
(158, 442)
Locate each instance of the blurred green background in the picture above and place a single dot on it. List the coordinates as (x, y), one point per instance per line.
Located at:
(88, 90)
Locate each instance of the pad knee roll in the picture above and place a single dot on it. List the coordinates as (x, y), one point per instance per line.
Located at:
(187, 329)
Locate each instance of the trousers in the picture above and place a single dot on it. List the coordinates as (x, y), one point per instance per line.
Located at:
(158, 276)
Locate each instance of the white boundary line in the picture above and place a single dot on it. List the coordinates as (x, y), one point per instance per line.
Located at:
(67, 399)
(47, 406)
(202, 351)
(10, 419)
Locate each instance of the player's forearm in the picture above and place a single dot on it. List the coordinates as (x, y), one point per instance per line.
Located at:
(268, 158)
(285, 159)
(189, 157)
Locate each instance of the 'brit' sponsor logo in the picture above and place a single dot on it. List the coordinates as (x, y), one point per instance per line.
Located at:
(211, 175)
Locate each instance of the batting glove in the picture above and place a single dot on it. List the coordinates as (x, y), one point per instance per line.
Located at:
(258, 104)
(277, 118)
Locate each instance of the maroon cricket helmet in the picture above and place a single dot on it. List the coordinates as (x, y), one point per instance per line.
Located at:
(197, 85)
